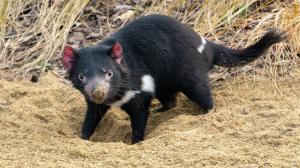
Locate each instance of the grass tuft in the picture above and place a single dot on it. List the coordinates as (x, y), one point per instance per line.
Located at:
(33, 31)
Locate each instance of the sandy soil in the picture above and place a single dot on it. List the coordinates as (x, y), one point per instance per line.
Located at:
(251, 125)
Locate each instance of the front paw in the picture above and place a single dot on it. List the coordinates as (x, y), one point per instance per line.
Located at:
(137, 139)
(85, 137)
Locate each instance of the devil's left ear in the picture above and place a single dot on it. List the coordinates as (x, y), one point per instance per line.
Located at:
(68, 57)
(117, 52)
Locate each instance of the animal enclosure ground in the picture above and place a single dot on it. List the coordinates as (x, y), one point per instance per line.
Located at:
(251, 125)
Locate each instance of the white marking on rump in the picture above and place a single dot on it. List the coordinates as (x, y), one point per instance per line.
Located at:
(127, 96)
(202, 46)
(148, 84)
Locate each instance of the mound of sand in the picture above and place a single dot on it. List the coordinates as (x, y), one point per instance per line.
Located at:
(251, 125)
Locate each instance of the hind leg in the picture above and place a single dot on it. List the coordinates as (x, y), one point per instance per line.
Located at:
(167, 100)
(198, 90)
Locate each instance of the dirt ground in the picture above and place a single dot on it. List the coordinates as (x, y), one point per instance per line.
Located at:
(253, 124)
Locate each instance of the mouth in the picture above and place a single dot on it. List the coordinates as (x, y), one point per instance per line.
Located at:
(97, 101)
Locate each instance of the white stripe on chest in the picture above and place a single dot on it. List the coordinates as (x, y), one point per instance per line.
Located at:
(202, 46)
(147, 86)
(126, 97)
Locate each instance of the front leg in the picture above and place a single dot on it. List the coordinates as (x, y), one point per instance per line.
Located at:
(138, 110)
(93, 116)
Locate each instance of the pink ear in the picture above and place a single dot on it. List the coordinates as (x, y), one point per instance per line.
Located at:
(68, 57)
(117, 52)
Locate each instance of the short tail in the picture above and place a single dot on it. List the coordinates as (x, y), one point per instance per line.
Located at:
(227, 57)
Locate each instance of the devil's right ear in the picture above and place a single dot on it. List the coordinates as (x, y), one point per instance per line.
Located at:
(68, 57)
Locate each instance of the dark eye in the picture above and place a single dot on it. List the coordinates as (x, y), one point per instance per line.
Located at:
(81, 77)
(109, 73)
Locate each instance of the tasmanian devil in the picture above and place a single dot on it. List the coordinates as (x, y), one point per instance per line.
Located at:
(154, 56)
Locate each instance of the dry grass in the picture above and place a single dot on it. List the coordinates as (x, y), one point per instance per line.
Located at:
(33, 32)
(250, 125)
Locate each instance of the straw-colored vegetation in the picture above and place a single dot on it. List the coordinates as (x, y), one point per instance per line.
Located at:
(30, 40)
(250, 125)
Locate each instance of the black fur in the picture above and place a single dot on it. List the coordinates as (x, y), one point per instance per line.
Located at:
(167, 50)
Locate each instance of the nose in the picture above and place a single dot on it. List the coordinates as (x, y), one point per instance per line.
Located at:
(98, 94)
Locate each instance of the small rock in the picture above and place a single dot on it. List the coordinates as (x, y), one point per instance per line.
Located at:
(93, 35)
(76, 38)
(4, 66)
(34, 78)
(126, 15)
(123, 7)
